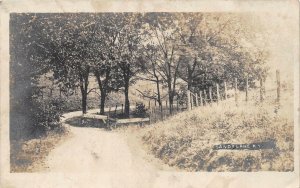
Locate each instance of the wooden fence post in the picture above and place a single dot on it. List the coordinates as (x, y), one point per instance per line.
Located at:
(192, 100)
(205, 97)
(225, 90)
(162, 112)
(197, 102)
(116, 109)
(247, 94)
(201, 100)
(235, 90)
(188, 93)
(218, 94)
(261, 90)
(210, 94)
(278, 84)
(109, 112)
(122, 109)
(154, 113)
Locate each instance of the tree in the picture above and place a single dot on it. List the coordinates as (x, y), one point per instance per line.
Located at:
(128, 52)
(163, 29)
(105, 54)
(149, 66)
(66, 44)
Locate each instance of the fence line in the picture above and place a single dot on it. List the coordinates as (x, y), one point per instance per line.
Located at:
(203, 101)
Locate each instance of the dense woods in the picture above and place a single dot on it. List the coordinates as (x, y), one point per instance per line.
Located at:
(171, 50)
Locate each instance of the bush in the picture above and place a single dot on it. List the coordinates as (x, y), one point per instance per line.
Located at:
(140, 110)
(46, 114)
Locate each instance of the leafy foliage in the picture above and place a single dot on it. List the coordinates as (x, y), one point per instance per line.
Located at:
(140, 110)
(47, 113)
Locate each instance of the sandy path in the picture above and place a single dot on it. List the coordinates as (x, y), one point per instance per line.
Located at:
(91, 151)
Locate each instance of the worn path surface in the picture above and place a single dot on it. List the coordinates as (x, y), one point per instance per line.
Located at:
(94, 152)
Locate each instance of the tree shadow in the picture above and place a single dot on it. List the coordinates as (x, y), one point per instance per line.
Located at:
(87, 122)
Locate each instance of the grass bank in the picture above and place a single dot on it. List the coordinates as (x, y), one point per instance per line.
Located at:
(29, 155)
(186, 140)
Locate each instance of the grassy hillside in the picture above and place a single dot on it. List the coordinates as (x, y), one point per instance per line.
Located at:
(186, 140)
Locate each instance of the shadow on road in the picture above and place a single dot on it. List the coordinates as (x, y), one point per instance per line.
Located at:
(87, 122)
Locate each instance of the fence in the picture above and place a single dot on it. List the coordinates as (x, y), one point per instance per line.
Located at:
(215, 95)
(202, 98)
(158, 113)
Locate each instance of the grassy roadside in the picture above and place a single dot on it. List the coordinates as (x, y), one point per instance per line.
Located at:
(186, 140)
(30, 155)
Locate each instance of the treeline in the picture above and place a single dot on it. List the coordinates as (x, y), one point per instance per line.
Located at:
(197, 49)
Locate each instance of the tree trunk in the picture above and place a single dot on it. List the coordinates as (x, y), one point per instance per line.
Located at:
(103, 89)
(189, 79)
(83, 102)
(127, 104)
(158, 94)
(83, 97)
(102, 102)
(170, 93)
(84, 82)
(171, 100)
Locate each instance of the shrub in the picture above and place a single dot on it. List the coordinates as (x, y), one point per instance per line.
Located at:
(46, 114)
(140, 110)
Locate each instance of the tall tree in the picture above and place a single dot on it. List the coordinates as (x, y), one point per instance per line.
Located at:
(128, 52)
(110, 25)
(163, 28)
(66, 44)
(149, 66)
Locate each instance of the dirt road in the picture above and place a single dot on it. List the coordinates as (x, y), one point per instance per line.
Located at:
(94, 152)
(94, 157)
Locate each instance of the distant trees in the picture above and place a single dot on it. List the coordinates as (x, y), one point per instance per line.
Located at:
(200, 49)
(216, 50)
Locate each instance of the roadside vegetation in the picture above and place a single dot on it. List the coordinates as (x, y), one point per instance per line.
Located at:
(186, 140)
(29, 155)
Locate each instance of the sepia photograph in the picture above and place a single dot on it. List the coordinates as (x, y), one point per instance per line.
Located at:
(137, 94)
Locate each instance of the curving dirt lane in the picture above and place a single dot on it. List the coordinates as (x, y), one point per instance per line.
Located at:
(92, 151)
